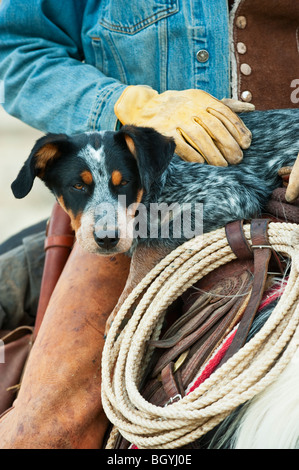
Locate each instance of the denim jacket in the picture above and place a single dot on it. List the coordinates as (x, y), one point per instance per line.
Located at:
(65, 63)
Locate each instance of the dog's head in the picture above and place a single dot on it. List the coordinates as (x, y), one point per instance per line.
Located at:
(99, 179)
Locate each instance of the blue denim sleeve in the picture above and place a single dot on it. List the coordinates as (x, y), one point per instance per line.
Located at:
(46, 83)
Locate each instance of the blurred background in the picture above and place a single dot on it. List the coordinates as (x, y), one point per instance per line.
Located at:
(16, 142)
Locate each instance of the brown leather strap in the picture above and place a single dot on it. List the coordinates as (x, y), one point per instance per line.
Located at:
(59, 241)
(172, 384)
(195, 322)
(237, 240)
(65, 241)
(214, 337)
(216, 312)
(262, 254)
(199, 339)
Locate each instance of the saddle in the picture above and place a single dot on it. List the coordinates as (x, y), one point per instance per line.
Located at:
(199, 334)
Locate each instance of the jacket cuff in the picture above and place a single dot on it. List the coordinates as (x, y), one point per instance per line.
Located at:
(102, 115)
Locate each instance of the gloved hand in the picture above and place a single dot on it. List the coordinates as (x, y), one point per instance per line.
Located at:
(292, 191)
(204, 129)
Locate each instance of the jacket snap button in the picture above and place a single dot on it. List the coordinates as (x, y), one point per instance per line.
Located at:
(202, 55)
(246, 96)
(241, 22)
(241, 48)
(245, 69)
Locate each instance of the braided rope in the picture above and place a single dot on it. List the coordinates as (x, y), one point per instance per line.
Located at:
(253, 368)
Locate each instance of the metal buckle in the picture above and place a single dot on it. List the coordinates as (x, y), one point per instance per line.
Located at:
(173, 399)
(261, 246)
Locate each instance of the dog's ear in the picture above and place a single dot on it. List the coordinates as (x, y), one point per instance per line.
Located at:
(45, 151)
(152, 151)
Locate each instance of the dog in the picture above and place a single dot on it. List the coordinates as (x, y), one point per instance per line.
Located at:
(104, 179)
(127, 172)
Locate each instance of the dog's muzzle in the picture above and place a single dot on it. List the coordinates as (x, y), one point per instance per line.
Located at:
(107, 239)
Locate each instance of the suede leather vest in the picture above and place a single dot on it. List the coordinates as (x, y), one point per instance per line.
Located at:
(265, 52)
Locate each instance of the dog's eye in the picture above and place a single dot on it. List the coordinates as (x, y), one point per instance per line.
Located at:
(79, 187)
(123, 182)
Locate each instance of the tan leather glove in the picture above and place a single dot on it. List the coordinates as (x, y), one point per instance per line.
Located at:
(292, 191)
(204, 129)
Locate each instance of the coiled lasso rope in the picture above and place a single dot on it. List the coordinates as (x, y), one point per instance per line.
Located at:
(254, 367)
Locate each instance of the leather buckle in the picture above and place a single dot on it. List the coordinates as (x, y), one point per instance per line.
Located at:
(262, 253)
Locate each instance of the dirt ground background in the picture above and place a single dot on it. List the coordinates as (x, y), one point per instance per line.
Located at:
(16, 141)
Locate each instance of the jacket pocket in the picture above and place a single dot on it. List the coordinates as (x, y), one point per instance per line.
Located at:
(119, 16)
(128, 40)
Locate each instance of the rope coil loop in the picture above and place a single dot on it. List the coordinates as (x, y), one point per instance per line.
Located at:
(248, 372)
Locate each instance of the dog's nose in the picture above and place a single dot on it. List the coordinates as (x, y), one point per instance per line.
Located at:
(108, 241)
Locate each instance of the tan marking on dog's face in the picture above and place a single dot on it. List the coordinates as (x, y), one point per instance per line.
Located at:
(86, 177)
(44, 155)
(84, 224)
(116, 177)
(60, 200)
(126, 224)
(75, 220)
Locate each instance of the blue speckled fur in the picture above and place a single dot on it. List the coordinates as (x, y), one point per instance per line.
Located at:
(237, 191)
